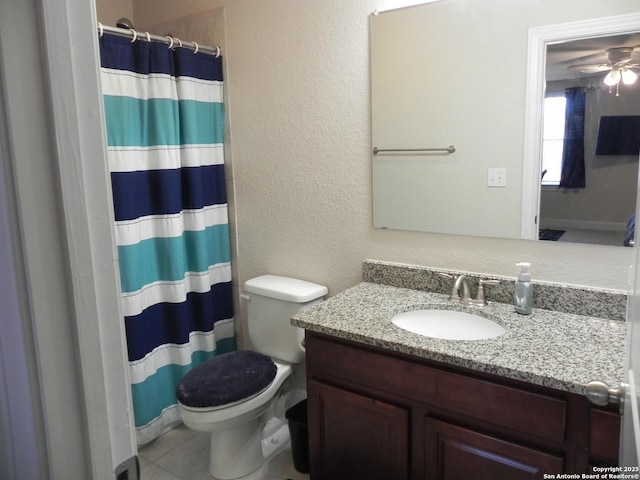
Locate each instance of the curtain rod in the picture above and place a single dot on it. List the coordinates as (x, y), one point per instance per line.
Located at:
(171, 41)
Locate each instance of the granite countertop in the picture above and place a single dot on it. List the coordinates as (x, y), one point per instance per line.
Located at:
(548, 348)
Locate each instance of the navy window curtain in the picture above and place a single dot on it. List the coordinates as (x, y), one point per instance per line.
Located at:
(573, 171)
(165, 125)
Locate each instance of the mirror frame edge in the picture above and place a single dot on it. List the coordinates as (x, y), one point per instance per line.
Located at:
(538, 39)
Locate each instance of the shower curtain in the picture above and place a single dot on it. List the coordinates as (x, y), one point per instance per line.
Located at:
(164, 118)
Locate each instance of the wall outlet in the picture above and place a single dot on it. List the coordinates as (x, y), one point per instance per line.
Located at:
(497, 177)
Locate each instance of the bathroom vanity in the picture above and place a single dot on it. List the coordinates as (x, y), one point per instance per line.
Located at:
(385, 403)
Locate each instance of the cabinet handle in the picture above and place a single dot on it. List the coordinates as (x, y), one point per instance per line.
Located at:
(600, 394)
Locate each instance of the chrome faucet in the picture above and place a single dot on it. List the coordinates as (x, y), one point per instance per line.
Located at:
(462, 282)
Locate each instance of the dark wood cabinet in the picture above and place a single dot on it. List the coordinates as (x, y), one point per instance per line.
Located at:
(374, 414)
(604, 437)
(453, 452)
(362, 438)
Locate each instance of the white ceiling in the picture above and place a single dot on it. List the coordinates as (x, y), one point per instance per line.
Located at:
(587, 51)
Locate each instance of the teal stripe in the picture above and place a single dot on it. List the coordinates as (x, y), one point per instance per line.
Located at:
(157, 392)
(201, 122)
(137, 122)
(134, 122)
(168, 259)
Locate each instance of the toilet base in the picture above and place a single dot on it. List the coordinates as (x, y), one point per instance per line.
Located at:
(239, 451)
(274, 443)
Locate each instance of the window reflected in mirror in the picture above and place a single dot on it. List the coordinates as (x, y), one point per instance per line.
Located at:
(553, 139)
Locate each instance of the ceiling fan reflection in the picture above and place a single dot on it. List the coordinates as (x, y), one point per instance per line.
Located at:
(620, 67)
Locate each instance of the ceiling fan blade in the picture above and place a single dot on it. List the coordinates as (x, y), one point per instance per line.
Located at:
(622, 63)
(603, 67)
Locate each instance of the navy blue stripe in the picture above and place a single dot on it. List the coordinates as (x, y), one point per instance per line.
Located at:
(205, 67)
(172, 322)
(142, 57)
(154, 57)
(156, 192)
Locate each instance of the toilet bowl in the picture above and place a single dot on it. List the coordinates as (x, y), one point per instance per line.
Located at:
(241, 397)
(240, 440)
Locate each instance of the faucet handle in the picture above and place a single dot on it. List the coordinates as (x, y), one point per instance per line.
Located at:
(449, 276)
(446, 275)
(480, 299)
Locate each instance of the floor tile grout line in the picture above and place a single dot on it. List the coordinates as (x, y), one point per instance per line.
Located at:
(174, 446)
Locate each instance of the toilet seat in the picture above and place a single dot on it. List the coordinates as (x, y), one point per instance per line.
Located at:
(226, 379)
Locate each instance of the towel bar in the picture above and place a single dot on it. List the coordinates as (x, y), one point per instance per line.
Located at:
(449, 149)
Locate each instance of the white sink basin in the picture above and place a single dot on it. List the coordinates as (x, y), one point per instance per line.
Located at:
(448, 324)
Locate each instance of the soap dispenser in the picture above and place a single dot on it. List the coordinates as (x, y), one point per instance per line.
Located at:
(523, 293)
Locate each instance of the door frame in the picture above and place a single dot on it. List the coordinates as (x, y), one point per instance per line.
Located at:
(80, 133)
(56, 156)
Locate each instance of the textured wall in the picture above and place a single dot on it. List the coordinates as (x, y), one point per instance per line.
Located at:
(110, 11)
(298, 95)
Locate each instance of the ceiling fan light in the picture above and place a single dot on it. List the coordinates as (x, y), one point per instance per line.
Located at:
(629, 76)
(612, 78)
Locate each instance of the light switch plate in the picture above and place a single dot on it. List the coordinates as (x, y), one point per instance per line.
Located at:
(497, 177)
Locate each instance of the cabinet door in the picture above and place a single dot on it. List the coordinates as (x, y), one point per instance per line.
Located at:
(604, 437)
(354, 437)
(453, 452)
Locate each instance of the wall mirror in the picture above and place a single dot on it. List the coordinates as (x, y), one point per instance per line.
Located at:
(464, 73)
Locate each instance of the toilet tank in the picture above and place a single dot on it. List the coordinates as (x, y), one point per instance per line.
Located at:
(272, 301)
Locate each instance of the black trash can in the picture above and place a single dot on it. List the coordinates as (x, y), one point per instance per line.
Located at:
(299, 432)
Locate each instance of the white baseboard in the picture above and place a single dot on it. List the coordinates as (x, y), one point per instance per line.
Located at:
(567, 224)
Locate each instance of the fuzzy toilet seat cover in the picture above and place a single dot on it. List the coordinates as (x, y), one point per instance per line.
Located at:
(226, 378)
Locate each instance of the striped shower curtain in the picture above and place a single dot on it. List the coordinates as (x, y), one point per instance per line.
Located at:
(164, 117)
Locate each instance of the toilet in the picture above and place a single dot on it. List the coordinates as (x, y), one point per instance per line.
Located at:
(241, 397)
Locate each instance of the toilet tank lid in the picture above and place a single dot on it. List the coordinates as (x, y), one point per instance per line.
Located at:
(285, 288)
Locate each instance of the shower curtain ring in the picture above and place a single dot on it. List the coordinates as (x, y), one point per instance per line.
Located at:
(179, 41)
(100, 29)
(135, 35)
(196, 50)
(217, 51)
(170, 40)
(148, 37)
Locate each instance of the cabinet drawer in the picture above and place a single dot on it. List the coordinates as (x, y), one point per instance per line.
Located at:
(604, 436)
(531, 414)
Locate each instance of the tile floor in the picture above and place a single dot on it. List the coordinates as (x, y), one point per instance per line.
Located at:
(182, 454)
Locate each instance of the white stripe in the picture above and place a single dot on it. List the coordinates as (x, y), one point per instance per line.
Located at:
(157, 85)
(174, 354)
(164, 157)
(190, 88)
(133, 303)
(130, 232)
(158, 425)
